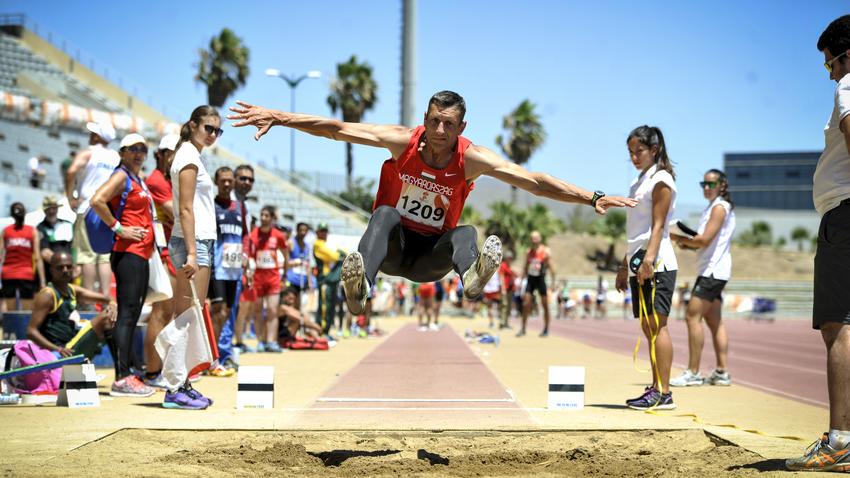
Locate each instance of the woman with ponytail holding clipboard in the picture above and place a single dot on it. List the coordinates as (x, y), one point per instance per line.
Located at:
(651, 258)
(714, 268)
(123, 203)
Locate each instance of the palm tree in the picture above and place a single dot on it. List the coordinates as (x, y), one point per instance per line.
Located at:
(470, 215)
(224, 67)
(525, 134)
(353, 92)
(799, 234)
(540, 218)
(507, 222)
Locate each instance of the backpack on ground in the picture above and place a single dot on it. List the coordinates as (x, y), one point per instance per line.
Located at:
(44, 382)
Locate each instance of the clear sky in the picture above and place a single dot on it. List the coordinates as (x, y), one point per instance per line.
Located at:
(722, 76)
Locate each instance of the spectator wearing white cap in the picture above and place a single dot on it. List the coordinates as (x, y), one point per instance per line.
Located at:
(90, 170)
(134, 245)
(159, 185)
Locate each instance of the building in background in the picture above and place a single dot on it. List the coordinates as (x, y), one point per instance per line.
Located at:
(775, 188)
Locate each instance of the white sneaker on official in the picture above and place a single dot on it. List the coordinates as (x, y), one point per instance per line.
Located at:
(719, 378)
(687, 379)
(354, 283)
(479, 273)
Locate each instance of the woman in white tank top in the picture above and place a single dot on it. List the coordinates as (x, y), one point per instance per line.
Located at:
(714, 268)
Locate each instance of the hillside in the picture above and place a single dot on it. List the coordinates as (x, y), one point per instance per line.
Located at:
(571, 251)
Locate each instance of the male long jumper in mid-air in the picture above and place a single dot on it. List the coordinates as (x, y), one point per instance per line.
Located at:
(413, 232)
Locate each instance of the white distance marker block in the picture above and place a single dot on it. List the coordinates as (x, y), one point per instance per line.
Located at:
(256, 387)
(566, 388)
(78, 388)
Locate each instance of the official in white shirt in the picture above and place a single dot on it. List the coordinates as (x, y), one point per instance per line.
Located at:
(646, 229)
(714, 269)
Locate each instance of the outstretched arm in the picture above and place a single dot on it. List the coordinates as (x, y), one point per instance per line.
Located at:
(481, 161)
(391, 137)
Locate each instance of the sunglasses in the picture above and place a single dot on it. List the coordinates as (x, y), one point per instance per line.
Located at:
(137, 149)
(213, 130)
(710, 184)
(828, 64)
(246, 178)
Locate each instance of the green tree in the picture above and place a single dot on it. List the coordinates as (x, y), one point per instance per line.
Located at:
(613, 226)
(353, 92)
(581, 219)
(759, 234)
(223, 68)
(506, 221)
(469, 215)
(514, 225)
(539, 218)
(524, 134)
(800, 234)
(360, 194)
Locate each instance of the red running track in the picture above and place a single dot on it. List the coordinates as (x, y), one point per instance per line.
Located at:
(420, 369)
(785, 357)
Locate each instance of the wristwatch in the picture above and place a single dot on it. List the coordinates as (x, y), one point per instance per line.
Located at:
(597, 195)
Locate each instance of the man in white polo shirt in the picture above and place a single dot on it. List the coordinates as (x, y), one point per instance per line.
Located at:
(89, 170)
(832, 263)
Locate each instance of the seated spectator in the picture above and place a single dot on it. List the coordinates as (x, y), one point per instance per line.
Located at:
(292, 319)
(37, 172)
(54, 234)
(55, 323)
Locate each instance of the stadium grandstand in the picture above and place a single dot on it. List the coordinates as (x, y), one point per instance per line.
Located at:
(47, 97)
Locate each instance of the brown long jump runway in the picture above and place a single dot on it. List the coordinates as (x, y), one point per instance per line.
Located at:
(416, 377)
(784, 357)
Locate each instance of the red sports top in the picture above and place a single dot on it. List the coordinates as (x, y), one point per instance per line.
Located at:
(264, 246)
(507, 276)
(160, 189)
(19, 248)
(137, 212)
(536, 261)
(430, 200)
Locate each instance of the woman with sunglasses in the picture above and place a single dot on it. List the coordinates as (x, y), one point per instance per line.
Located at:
(714, 268)
(194, 232)
(653, 283)
(134, 244)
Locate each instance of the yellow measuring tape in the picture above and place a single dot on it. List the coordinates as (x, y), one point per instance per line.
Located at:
(653, 335)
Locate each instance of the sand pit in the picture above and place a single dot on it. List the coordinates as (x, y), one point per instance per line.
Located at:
(404, 453)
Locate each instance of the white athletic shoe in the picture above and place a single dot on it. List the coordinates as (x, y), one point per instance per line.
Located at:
(477, 276)
(718, 378)
(687, 379)
(354, 283)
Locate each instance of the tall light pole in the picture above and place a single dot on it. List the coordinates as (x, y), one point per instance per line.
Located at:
(293, 83)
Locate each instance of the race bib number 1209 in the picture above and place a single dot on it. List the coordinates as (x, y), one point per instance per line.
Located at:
(423, 207)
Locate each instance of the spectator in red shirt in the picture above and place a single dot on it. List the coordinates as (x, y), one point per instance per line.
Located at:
(506, 278)
(134, 245)
(19, 253)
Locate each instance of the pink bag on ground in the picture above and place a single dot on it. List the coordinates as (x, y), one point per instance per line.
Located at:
(45, 382)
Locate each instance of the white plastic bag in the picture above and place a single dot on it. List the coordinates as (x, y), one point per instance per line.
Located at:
(159, 285)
